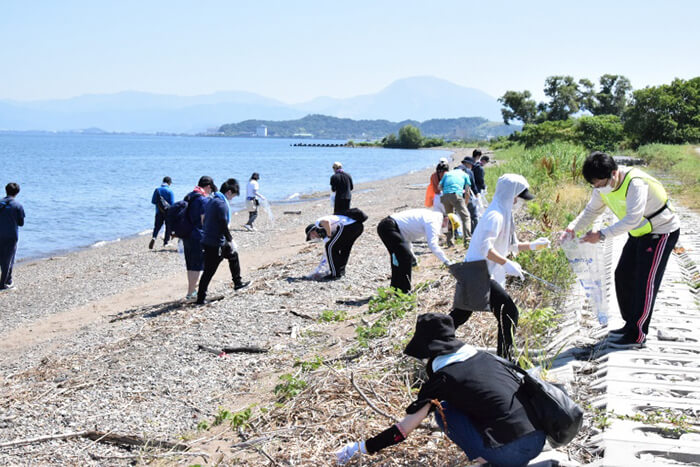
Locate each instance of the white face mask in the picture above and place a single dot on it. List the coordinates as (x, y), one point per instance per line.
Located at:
(604, 190)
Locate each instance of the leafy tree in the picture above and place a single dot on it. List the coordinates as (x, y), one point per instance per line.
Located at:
(518, 105)
(586, 95)
(601, 132)
(613, 97)
(547, 132)
(669, 113)
(410, 137)
(563, 96)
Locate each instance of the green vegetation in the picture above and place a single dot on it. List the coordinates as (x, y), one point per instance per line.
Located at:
(289, 387)
(391, 304)
(661, 114)
(328, 316)
(410, 138)
(322, 126)
(311, 365)
(682, 163)
(671, 423)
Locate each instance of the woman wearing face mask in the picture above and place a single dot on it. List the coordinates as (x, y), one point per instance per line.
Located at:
(640, 203)
(493, 240)
(479, 402)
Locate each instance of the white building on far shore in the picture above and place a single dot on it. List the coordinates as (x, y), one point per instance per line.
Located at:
(261, 131)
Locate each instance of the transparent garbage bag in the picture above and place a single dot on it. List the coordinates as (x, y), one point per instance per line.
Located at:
(586, 260)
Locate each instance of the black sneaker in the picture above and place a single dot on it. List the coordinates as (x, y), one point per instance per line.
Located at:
(624, 342)
(202, 302)
(241, 285)
(618, 332)
(151, 243)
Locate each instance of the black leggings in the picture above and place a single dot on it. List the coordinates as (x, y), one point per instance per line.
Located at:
(399, 249)
(505, 311)
(339, 245)
(212, 259)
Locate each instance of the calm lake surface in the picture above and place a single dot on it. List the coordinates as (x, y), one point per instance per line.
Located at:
(78, 190)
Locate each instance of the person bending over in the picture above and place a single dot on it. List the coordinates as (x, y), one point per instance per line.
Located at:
(493, 240)
(338, 233)
(217, 241)
(398, 230)
(479, 402)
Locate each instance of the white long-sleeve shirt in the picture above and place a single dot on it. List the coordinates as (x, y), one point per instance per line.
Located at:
(640, 202)
(418, 224)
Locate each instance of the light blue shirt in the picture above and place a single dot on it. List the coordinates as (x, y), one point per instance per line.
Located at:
(455, 181)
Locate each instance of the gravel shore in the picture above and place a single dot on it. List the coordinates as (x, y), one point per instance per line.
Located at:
(101, 340)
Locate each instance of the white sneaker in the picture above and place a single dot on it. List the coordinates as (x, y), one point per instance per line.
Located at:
(249, 228)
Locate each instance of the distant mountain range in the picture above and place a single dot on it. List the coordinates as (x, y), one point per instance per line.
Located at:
(419, 99)
(325, 127)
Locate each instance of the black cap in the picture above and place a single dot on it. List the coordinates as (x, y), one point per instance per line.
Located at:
(525, 194)
(435, 335)
(468, 160)
(206, 181)
(308, 230)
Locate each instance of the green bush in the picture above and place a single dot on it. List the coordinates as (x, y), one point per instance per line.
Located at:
(548, 132)
(601, 133)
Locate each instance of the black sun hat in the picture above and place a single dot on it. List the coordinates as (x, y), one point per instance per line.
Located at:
(435, 335)
(525, 194)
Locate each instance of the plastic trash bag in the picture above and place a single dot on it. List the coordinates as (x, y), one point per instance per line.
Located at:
(268, 210)
(586, 261)
(321, 270)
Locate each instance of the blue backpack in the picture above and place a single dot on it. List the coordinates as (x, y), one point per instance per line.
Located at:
(177, 219)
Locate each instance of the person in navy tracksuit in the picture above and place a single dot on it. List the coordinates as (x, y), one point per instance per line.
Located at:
(11, 219)
(168, 195)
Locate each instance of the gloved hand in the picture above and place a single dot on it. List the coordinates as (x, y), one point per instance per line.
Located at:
(567, 234)
(513, 269)
(345, 454)
(540, 244)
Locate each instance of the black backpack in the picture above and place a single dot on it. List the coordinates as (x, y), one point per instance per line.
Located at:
(162, 204)
(355, 214)
(177, 218)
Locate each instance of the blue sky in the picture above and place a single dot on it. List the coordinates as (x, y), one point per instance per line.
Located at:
(297, 50)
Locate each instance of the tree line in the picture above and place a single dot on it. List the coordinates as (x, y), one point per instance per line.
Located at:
(610, 115)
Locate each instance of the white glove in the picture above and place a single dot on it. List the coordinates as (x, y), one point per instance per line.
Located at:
(566, 235)
(540, 244)
(513, 269)
(345, 454)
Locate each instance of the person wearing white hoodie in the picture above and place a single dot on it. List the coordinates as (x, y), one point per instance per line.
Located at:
(493, 240)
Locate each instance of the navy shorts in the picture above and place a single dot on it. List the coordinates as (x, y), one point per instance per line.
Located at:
(194, 254)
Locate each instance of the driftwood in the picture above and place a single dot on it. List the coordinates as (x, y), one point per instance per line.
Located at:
(292, 212)
(101, 437)
(301, 315)
(227, 350)
(151, 455)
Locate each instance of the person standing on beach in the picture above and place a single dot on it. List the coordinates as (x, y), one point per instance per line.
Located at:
(163, 191)
(197, 201)
(478, 170)
(466, 166)
(11, 219)
(493, 240)
(217, 241)
(251, 200)
(398, 230)
(338, 233)
(341, 185)
(455, 190)
(641, 204)
(433, 192)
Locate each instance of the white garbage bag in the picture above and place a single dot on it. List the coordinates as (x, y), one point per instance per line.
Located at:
(586, 261)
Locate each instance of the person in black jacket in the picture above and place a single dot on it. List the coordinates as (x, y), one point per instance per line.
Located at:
(480, 404)
(217, 241)
(341, 185)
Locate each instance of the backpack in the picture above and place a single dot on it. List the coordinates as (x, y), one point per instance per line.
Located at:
(556, 414)
(177, 219)
(162, 204)
(355, 214)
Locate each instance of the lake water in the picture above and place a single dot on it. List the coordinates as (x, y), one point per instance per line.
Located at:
(78, 190)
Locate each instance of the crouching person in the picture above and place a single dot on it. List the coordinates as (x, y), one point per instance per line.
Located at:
(217, 241)
(398, 230)
(479, 402)
(338, 232)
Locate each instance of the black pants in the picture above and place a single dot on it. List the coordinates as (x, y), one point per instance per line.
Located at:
(8, 249)
(160, 220)
(399, 253)
(341, 205)
(638, 277)
(252, 215)
(505, 311)
(212, 259)
(339, 245)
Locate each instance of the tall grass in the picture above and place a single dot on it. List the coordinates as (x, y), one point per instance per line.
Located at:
(682, 163)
